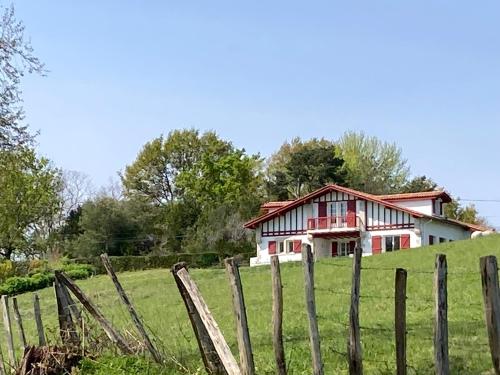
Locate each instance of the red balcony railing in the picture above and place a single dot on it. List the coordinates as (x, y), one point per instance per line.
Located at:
(333, 222)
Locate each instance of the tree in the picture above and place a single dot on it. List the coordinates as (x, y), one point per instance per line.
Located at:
(117, 227)
(29, 201)
(300, 167)
(153, 175)
(16, 59)
(467, 214)
(371, 165)
(418, 184)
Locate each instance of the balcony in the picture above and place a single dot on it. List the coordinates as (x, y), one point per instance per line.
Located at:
(334, 223)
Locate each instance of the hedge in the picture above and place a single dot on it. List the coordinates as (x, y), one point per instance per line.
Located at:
(138, 263)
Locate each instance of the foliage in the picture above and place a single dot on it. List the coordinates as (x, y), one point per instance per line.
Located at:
(372, 166)
(116, 227)
(6, 270)
(42, 277)
(16, 59)
(124, 365)
(418, 184)
(157, 299)
(28, 202)
(300, 167)
(468, 214)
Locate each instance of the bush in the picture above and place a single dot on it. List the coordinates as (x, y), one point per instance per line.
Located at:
(6, 270)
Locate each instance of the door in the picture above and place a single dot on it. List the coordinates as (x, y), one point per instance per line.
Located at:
(335, 249)
(322, 215)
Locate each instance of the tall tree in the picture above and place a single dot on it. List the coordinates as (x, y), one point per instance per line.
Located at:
(372, 166)
(29, 200)
(300, 167)
(418, 184)
(16, 59)
(467, 214)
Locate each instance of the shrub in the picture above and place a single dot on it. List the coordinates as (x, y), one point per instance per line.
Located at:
(6, 270)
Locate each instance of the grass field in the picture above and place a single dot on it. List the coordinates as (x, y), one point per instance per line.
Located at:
(156, 297)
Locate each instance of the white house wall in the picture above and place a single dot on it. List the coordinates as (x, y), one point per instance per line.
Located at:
(439, 229)
(379, 216)
(423, 206)
(366, 237)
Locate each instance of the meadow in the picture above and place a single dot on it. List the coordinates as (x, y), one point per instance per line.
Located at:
(156, 298)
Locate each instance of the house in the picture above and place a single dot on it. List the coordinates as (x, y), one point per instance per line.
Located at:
(334, 218)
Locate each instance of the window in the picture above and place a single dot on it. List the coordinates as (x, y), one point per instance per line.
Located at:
(431, 239)
(441, 239)
(289, 246)
(392, 243)
(343, 249)
(338, 213)
(281, 247)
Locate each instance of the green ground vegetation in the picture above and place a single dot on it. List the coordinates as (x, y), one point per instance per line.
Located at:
(157, 299)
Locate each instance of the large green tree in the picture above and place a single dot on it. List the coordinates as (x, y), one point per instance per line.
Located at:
(300, 167)
(29, 201)
(466, 213)
(372, 166)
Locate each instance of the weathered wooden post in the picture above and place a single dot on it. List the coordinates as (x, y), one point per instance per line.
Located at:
(221, 347)
(308, 265)
(354, 347)
(491, 298)
(38, 320)
(277, 290)
(113, 335)
(242, 333)
(67, 329)
(8, 332)
(19, 321)
(400, 320)
(441, 316)
(131, 309)
(211, 360)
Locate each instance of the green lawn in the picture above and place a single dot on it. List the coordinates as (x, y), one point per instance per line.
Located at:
(156, 297)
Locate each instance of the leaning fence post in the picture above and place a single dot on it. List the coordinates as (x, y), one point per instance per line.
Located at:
(38, 320)
(8, 331)
(67, 329)
(491, 297)
(221, 347)
(308, 263)
(277, 290)
(113, 335)
(354, 347)
(244, 344)
(131, 309)
(400, 320)
(441, 316)
(19, 321)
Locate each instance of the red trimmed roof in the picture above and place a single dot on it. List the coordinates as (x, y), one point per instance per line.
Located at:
(275, 204)
(332, 187)
(416, 196)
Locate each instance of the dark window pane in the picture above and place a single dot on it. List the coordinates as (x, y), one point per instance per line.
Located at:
(388, 244)
(397, 240)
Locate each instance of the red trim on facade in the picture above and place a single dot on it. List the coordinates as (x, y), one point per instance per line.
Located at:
(271, 247)
(335, 248)
(390, 226)
(282, 233)
(376, 244)
(345, 234)
(417, 196)
(405, 241)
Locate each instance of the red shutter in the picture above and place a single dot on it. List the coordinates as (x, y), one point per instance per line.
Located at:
(405, 241)
(352, 246)
(351, 214)
(335, 248)
(271, 247)
(376, 245)
(297, 246)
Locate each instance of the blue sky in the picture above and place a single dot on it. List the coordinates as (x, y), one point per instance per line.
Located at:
(424, 74)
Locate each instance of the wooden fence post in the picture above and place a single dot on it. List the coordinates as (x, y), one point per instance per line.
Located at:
(244, 343)
(38, 320)
(131, 309)
(113, 335)
(441, 316)
(277, 290)
(211, 360)
(8, 332)
(354, 347)
(221, 347)
(400, 320)
(491, 298)
(67, 329)
(308, 265)
(19, 321)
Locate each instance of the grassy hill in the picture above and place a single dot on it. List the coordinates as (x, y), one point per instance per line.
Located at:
(156, 297)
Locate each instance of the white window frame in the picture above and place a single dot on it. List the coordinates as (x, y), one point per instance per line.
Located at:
(384, 243)
(338, 210)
